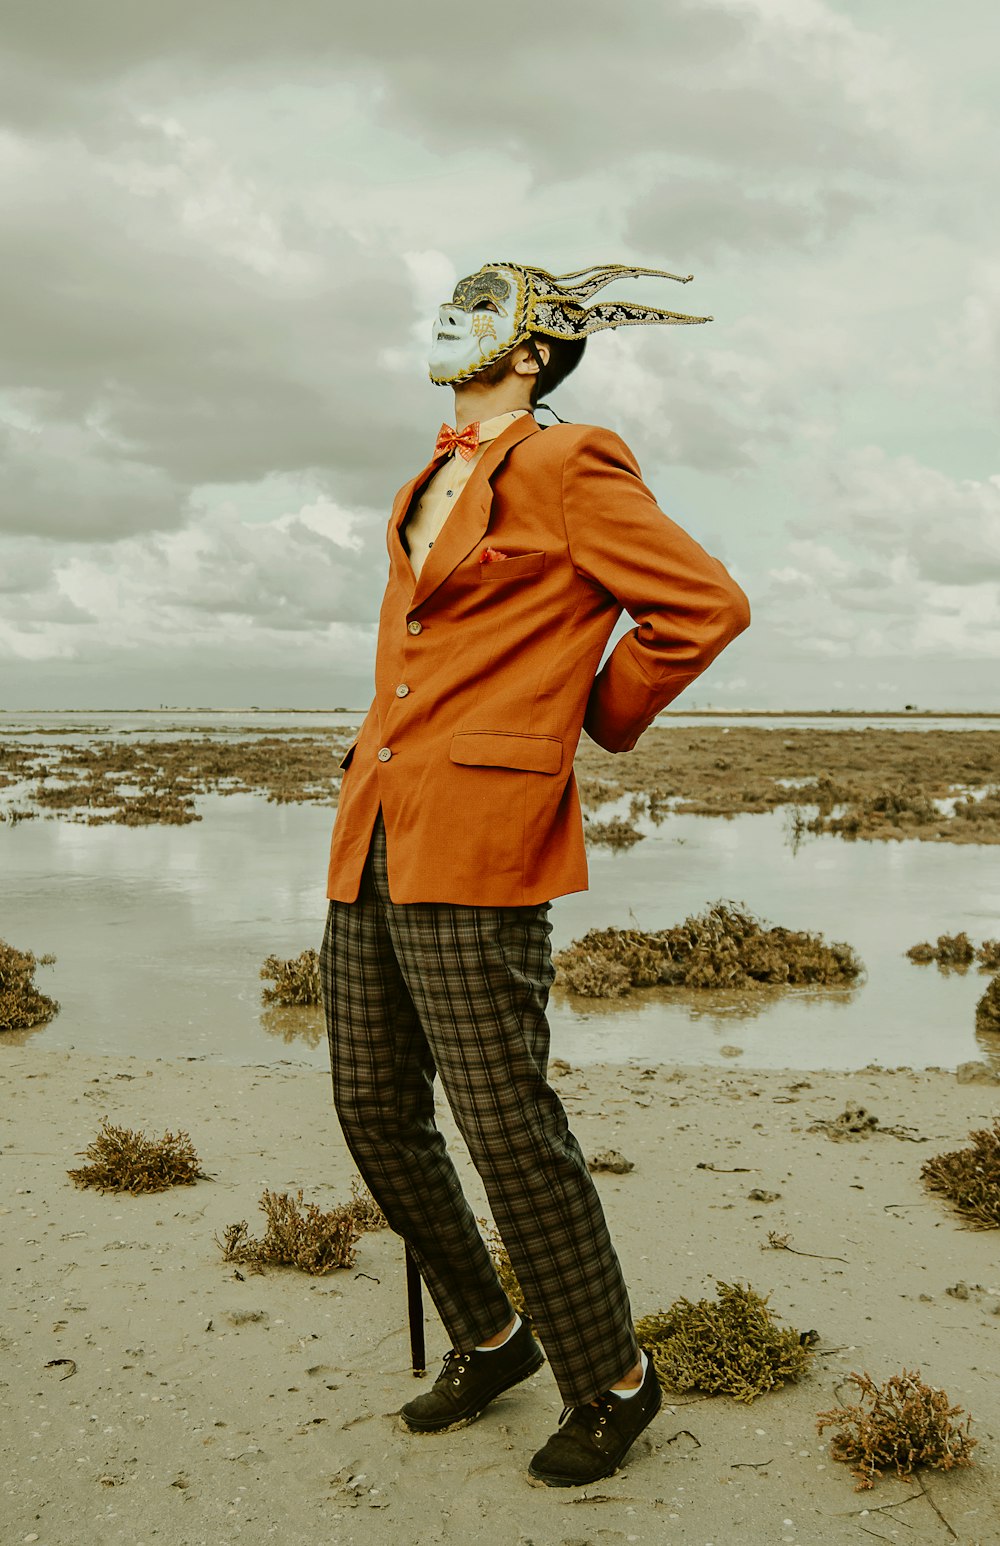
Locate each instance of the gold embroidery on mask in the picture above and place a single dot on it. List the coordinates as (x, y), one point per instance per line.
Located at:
(483, 329)
(487, 285)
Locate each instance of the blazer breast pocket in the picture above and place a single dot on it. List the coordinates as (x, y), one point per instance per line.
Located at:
(518, 567)
(506, 749)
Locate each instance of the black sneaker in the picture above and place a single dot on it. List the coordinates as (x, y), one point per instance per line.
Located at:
(470, 1381)
(593, 1440)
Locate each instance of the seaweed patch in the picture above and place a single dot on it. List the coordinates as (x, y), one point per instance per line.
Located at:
(957, 952)
(301, 1234)
(970, 1178)
(615, 834)
(123, 1160)
(899, 1426)
(298, 1234)
(951, 950)
(296, 980)
(988, 1008)
(730, 1346)
(723, 947)
(364, 1209)
(22, 1004)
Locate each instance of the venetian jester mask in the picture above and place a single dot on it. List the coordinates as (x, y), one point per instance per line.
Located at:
(503, 304)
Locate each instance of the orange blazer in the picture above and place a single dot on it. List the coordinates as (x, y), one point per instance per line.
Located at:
(486, 671)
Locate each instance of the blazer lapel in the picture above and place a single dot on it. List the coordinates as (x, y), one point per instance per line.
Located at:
(399, 559)
(467, 523)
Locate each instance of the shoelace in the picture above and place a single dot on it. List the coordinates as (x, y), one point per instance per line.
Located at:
(589, 1414)
(453, 1356)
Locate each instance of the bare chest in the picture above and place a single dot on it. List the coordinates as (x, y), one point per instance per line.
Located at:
(430, 510)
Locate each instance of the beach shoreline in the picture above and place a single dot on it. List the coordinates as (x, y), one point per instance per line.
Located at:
(207, 1405)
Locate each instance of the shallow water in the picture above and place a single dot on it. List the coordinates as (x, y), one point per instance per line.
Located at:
(42, 725)
(159, 934)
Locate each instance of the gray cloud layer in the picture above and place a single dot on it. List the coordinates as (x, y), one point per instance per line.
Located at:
(225, 224)
(157, 310)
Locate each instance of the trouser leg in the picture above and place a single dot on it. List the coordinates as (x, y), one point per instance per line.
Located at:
(479, 980)
(383, 1076)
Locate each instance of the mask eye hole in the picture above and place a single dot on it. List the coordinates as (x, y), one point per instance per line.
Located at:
(487, 306)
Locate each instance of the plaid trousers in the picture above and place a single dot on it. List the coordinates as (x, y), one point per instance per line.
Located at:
(417, 989)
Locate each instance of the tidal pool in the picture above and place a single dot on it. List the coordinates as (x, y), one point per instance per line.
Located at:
(160, 932)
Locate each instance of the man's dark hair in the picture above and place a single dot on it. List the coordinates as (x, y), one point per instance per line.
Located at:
(565, 355)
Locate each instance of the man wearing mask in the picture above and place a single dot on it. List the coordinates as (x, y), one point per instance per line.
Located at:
(511, 557)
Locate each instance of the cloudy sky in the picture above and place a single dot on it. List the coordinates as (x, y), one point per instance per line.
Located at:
(226, 225)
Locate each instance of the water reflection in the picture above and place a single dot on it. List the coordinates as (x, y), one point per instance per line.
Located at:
(719, 1006)
(988, 1047)
(160, 934)
(22, 1037)
(295, 1024)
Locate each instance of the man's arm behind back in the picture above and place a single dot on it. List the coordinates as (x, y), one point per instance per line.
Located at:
(686, 605)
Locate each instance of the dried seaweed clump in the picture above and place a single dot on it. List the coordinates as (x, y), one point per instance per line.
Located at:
(891, 812)
(296, 981)
(364, 1209)
(988, 1008)
(16, 813)
(21, 1003)
(125, 1161)
(907, 1424)
(615, 834)
(980, 812)
(731, 1345)
(950, 950)
(298, 1235)
(723, 947)
(970, 1178)
(504, 1268)
(147, 808)
(988, 956)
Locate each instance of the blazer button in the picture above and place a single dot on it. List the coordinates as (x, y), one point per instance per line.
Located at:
(402, 691)
(384, 754)
(415, 626)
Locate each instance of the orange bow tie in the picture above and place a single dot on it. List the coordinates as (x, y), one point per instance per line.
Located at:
(466, 443)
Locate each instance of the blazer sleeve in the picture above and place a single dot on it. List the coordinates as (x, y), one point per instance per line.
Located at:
(686, 606)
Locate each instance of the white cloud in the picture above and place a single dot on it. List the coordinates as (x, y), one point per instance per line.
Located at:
(226, 227)
(178, 322)
(913, 567)
(202, 196)
(947, 528)
(219, 586)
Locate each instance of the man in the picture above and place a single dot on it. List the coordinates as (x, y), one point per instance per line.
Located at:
(512, 555)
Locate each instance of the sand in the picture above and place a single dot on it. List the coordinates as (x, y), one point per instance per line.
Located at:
(208, 1407)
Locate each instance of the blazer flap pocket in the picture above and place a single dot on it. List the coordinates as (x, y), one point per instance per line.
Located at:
(517, 567)
(503, 749)
(345, 760)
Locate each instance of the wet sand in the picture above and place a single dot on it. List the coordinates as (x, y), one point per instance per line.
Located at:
(206, 1408)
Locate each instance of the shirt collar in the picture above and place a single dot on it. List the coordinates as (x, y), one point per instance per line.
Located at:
(489, 429)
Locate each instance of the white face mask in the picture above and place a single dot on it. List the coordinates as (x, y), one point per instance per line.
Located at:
(483, 321)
